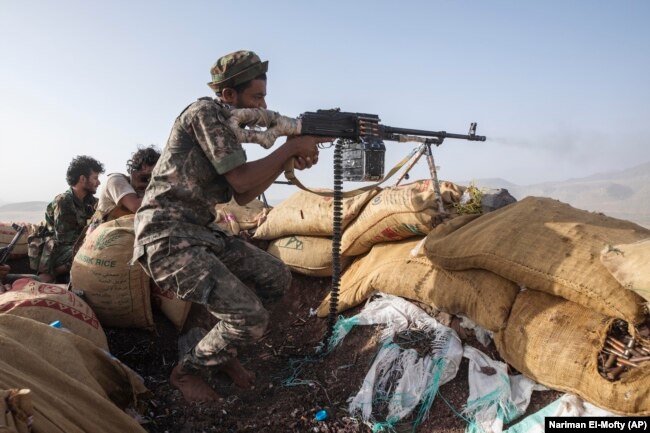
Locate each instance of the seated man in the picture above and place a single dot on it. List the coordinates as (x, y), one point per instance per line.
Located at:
(123, 194)
(66, 218)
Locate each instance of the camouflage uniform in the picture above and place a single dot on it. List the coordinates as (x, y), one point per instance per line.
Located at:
(182, 251)
(65, 218)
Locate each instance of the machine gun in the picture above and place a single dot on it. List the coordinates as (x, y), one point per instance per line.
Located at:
(6, 251)
(362, 136)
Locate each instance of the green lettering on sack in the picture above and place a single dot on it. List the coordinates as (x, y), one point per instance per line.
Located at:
(84, 258)
(105, 263)
(292, 243)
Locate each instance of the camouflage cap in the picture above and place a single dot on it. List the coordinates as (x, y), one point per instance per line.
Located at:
(236, 68)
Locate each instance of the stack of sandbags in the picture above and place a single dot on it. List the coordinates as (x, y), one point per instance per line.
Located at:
(395, 268)
(75, 386)
(309, 214)
(398, 213)
(549, 246)
(47, 303)
(7, 233)
(300, 229)
(557, 328)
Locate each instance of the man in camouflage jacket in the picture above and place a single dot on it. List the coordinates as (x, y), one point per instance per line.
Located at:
(203, 164)
(66, 218)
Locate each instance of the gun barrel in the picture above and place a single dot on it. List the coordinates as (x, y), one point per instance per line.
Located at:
(440, 134)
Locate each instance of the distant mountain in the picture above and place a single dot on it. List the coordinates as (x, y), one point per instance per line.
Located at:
(26, 206)
(621, 194)
(492, 183)
(28, 211)
(642, 170)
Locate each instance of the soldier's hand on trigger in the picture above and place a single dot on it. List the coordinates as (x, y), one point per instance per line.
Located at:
(299, 163)
(305, 149)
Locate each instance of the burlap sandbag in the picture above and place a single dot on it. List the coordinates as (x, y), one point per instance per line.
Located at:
(75, 386)
(556, 343)
(226, 222)
(47, 303)
(451, 225)
(247, 217)
(174, 308)
(398, 213)
(305, 213)
(118, 291)
(480, 295)
(630, 265)
(7, 233)
(308, 255)
(549, 246)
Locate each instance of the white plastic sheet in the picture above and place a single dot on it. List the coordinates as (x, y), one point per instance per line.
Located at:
(419, 377)
(495, 397)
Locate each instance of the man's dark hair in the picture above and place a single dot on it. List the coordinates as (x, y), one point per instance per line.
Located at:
(144, 156)
(82, 165)
(243, 86)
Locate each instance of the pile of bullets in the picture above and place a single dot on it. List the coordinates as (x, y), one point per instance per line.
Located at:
(623, 351)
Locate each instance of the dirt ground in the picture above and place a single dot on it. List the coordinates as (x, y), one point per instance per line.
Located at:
(292, 384)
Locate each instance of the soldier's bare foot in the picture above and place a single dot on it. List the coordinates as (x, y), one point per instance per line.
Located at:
(240, 376)
(193, 387)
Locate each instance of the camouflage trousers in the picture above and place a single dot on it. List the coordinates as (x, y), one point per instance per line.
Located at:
(54, 255)
(217, 273)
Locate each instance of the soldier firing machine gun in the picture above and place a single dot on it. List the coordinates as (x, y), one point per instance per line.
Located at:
(358, 156)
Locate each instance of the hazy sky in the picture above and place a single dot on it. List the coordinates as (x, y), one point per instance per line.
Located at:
(560, 88)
